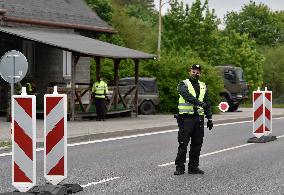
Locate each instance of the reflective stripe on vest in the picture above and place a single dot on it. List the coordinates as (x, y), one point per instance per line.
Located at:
(29, 87)
(100, 89)
(187, 108)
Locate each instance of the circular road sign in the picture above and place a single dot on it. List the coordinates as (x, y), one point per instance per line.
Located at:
(13, 66)
(224, 106)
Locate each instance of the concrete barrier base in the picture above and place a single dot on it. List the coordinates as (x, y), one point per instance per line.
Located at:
(49, 189)
(16, 193)
(61, 189)
(262, 139)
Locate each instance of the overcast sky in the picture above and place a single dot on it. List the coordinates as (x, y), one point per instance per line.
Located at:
(223, 6)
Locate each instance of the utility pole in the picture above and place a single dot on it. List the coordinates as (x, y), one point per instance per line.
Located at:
(159, 30)
(160, 26)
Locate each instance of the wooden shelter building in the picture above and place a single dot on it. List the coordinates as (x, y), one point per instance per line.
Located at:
(57, 37)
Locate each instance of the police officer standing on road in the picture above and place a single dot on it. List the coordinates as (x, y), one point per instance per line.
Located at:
(100, 90)
(193, 104)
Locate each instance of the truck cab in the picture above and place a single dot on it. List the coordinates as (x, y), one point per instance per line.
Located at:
(235, 87)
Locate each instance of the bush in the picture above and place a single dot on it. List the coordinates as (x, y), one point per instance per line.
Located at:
(172, 69)
(274, 71)
(169, 71)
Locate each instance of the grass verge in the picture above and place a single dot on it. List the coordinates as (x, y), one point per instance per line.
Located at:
(273, 105)
(5, 144)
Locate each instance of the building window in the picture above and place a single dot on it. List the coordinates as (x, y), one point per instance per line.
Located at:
(29, 52)
(67, 57)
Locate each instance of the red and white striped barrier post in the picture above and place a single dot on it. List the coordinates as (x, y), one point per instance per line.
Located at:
(23, 141)
(268, 112)
(262, 117)
(258, 114)
(55, 137)
(55, 144)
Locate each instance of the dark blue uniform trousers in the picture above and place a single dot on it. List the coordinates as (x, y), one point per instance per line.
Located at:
(190, 128)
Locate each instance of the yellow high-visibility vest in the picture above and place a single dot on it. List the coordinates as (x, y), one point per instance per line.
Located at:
(29, 87)
(100, 89)
(187, 108)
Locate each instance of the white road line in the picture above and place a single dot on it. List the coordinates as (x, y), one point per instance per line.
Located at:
(6, 154)
(280, 136)
(144, 134)
(153, 133)
(4, 147)
(216, 152)
(98, 182)
(133, 136)
(119, 138)
(10, 153)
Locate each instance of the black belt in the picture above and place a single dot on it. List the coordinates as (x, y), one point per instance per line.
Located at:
(190, 115)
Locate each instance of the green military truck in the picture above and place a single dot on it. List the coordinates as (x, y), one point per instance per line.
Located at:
(148, 94)
(235, 86)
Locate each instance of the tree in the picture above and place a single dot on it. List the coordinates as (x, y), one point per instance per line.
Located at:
(173, 37)
(258, 21)
(190, 27)
(102, 7)
(142, 13)
(279, 17)
(105, 11)
(147, 4)
(274, 70)
(137, 33)
(172, 69)
(196, 28)
(241, 51)
(190, 35)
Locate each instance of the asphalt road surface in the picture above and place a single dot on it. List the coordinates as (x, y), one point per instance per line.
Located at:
(143, 164)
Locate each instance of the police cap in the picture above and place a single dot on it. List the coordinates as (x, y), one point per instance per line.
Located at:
(196, 66)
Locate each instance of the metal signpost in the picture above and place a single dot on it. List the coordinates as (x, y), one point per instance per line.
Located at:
(13, 68)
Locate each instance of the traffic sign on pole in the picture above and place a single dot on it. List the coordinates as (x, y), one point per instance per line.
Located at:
(13, 66)
(55, 135)
(23, 141)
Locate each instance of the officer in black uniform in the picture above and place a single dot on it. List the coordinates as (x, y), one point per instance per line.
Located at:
(193, 104)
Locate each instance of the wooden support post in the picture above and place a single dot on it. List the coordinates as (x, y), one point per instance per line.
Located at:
(98, 67)
(136, 61)
(75, 59)
(116, 67)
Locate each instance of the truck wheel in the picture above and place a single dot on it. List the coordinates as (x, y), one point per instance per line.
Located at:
(233, 108)
(147, 107)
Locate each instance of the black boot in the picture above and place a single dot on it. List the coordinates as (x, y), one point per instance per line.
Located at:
(195, 170)
(179, 170)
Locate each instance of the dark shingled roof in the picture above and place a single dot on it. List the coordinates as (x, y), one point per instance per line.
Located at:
(64, 11)
(75, 43)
